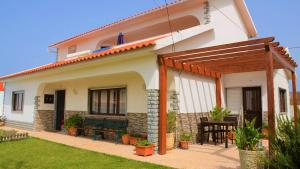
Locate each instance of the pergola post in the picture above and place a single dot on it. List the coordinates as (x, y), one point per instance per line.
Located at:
(270, 94)
(295, 98)
(162, 107)
(218, 92)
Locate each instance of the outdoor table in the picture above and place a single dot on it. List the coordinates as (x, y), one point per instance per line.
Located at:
(216, 123)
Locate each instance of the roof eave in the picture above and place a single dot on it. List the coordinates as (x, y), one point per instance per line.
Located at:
(246, 17)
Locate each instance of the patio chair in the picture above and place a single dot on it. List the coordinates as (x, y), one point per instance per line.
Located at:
(207, 129)
(234, 127)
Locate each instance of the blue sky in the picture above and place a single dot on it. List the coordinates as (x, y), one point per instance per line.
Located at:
(28, 27)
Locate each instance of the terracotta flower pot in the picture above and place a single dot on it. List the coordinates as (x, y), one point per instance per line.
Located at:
(144, 150)
(184, 144)
(125, 139)
(2, 123)
(72, 131)
(265, 132)
(170, 141)
(133, 140)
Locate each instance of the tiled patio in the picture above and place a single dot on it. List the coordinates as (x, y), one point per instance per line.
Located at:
(197, 157)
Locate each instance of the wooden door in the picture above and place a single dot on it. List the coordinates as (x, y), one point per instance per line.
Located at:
(60, 108)
(252, 105)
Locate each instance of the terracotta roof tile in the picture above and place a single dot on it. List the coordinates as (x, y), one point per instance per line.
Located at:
(119, 21)
(112, 51)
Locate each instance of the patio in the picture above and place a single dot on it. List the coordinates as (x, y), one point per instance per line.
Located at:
(198, 156)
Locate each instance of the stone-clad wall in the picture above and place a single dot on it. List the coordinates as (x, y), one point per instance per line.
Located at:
(188, 122)
(44, 120)
(137, 123)
(153, 116)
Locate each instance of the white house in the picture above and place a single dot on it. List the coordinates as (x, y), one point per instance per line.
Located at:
(1, 97)
(96, 77)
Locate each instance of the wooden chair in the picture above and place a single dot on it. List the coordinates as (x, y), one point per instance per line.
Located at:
(207, 129)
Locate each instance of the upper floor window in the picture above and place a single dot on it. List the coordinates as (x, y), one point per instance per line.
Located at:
(17, 101)
(282, 100)
(108, 101)
(72, 49)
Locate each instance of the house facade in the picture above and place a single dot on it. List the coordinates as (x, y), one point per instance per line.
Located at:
(96, 77)
(1, 97)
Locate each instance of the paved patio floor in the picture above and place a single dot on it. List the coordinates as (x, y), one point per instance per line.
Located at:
(197, 157)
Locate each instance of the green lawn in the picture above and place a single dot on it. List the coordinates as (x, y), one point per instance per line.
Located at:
(33, 153)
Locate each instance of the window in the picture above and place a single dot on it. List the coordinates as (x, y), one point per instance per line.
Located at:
(17, 101)
(282, 100)
(72, 49)
(108, 101)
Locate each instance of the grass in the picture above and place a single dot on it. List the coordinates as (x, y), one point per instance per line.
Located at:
(33, 153)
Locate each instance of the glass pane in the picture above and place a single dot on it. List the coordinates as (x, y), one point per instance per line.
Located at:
(103, 105)
(113, 101)
(95, 102)
(123, 101)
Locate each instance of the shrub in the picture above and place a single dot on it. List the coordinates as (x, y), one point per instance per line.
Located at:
(248, 137)
(218, 113)
(286, 145)
(73, 121)
(171, 121)
(2, 118)
(143, 143)
(185, 137)
(136, 135)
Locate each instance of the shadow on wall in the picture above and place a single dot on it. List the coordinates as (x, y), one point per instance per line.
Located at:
(196, 100)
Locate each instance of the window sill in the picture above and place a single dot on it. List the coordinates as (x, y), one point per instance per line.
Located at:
(16, 111)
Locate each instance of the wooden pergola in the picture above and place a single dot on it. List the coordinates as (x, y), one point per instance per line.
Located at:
(247, 56)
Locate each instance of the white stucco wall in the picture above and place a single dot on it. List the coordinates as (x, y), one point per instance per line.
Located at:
(77, 91)
(258, 79)
(196, 93)
(1, 101)
(142, 74)
(30, 88)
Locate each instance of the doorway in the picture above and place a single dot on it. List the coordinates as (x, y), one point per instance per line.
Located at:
(252, 105)
(59, 108)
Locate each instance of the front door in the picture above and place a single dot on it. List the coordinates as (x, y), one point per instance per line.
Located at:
(60, 108)
(252, 105)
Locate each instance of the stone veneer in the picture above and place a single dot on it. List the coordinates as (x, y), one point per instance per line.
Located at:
(44, 120)
(137, 123)
(188, 122)
(153, 116)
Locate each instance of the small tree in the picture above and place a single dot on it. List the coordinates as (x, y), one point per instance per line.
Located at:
(171, 121)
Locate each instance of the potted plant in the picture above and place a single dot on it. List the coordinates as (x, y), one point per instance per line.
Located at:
(125, 137)
(218, 113)
(185, 138)
(2, 120)
(171, 120)
(144, 148)
(134, 138)
(265, 130)
(247, 141)
(72, 123)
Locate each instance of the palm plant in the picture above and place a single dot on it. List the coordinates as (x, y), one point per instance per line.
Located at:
(248, 137)
(218, 113)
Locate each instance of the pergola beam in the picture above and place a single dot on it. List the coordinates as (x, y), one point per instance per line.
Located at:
(281, 60)
(295, 104)
(270, 96)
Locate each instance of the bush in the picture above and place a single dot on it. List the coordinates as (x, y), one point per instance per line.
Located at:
(171, 121)
(248, 137)
(218, 113)
(185, 137)
(286, 145)
(73, 121)
(143, 143)
(2, 118)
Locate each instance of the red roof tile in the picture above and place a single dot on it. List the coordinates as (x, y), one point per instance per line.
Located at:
(1, 86)
(112, 51)
(120, 21)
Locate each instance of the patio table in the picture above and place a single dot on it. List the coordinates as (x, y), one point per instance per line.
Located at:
(216, 123)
